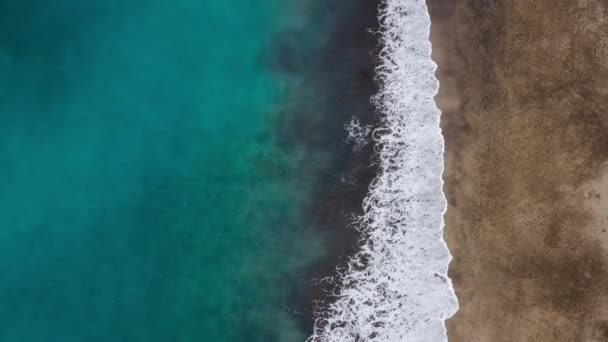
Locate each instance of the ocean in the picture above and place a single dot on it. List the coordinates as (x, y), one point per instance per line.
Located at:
(195, 170)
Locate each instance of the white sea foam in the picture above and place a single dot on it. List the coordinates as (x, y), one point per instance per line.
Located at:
(357, 134)
(396, 289)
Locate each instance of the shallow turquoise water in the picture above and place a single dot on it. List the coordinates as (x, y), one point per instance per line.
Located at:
(144, 196)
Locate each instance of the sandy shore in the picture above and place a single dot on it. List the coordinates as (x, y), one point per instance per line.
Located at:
(524, 95)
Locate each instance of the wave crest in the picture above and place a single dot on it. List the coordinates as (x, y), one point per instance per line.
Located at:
(396, 287)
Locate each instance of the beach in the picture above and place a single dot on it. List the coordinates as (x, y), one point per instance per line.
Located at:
(285, 171)
(522, 94)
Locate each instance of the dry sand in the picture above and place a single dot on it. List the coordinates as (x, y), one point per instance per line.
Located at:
(524, 95)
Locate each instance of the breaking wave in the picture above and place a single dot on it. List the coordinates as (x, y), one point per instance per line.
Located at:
(396, 288)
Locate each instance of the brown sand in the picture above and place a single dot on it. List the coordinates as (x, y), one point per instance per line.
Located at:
(524, 95)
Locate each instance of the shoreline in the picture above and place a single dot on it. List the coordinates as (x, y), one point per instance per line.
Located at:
(525, 167)
(395, 286)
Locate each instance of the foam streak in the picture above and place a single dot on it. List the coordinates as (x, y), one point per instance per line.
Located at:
(396, 288)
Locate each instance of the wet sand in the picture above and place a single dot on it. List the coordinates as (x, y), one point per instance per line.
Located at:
(524, 89)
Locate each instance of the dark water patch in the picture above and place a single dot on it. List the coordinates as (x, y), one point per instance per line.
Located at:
(336, 83)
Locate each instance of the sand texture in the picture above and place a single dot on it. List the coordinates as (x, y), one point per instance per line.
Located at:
(524, 96)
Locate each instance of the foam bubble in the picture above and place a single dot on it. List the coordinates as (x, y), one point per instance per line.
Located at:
(396, 288)
(357, 134)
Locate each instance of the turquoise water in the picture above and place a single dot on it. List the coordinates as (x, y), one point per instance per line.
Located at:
(144, 193)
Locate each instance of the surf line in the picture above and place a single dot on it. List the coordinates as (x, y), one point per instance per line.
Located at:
(396, 288)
